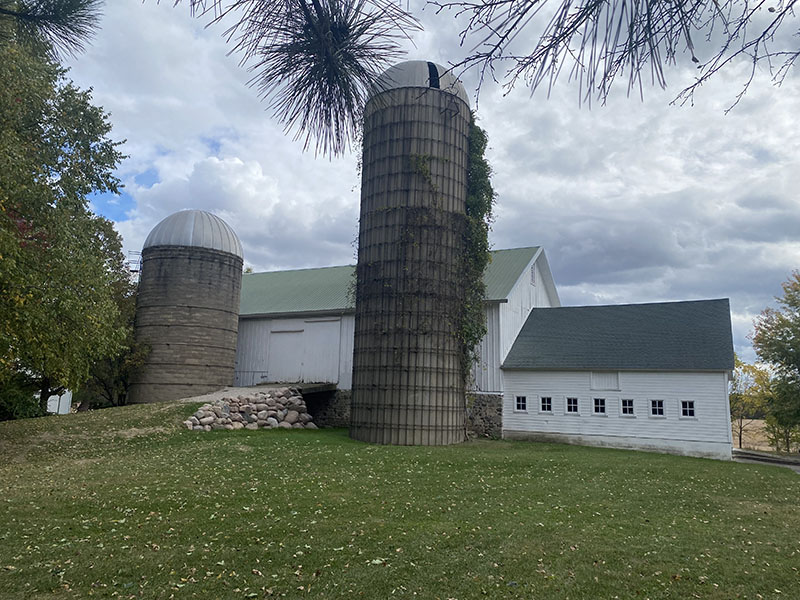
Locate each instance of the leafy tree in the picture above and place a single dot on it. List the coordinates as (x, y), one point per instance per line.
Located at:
(749, 392)
(777, 340)
(58, 261)
(110, 376)
(777, 330)
(783, 420)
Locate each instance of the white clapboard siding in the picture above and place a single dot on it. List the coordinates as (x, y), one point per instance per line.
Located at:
(708, 433)
(486, 373)
(321, 350)
(503, 323)
(346, 352)
(252, 351)
(526, 294)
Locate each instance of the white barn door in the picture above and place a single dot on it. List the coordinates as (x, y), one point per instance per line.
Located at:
(321, 351)
(286, 355)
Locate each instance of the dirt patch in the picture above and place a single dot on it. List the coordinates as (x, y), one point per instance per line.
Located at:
(140, 431)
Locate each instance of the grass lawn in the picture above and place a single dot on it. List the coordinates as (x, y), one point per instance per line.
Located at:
(122, 503)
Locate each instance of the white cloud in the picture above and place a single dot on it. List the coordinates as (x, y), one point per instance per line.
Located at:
(633, 201)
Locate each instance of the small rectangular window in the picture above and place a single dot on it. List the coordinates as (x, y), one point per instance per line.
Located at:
(627, 407)
(599, 406)
(533, 274)
(572, 405)
(687, 408)
(521, 403)
(657, 408)
(547, 404)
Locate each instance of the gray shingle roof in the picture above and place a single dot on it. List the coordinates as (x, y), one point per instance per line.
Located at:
(680, 336)
(327, 289)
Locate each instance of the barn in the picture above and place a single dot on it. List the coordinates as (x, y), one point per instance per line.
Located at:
(646, 376)
(642, 376)
(298, 325)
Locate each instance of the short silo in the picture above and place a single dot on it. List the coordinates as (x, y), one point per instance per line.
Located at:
(187, 307)
(408, 386)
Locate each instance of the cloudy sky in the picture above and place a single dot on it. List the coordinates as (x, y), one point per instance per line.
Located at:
(634, 201)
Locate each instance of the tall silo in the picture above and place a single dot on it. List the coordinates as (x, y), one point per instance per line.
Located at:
(187, 307)
(407, 381)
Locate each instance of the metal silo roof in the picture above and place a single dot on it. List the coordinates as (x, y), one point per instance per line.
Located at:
(196, 228)
(424, 74)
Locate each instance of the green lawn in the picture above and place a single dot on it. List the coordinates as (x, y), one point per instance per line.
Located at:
(122, 503)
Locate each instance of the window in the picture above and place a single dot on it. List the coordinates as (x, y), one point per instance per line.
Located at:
(572, 406)
(687, 408)
(533, 274)
(547, 404)
(627, 407)
(657, 408)
(521, 403)
(599, 406)
(605, 380)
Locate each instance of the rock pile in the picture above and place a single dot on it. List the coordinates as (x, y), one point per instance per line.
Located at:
(279, 408)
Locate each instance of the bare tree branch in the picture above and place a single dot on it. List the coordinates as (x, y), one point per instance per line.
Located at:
(605, 40)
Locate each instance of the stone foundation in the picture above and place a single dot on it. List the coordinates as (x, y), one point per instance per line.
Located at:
(484, 412)
(485, 415)
(330, 409)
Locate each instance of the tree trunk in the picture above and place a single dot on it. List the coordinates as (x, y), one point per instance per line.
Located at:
(741, 427)
(44, 394)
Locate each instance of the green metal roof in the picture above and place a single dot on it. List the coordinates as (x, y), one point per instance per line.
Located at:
(327, 289)
(681, 336)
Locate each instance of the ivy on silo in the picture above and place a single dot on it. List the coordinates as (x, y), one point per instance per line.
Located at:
(480, 201)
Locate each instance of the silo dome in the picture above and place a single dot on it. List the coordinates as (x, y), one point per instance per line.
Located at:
(196, 228)
(422, 74)
(187, 307)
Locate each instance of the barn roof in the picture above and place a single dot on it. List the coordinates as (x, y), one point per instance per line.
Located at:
(680, 336)
(327, 289)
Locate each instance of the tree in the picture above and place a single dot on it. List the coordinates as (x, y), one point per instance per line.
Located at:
(110, 376)
(600, 41)
(749, 392)
(52, 26)
(58, 261)
(316, 60)
(777, 340)
(777, 330)
(783, 419)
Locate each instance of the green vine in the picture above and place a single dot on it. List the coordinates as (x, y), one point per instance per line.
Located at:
(480, 202)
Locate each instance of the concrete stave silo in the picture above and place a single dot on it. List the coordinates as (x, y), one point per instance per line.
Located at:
(408, 385)
(187, 307)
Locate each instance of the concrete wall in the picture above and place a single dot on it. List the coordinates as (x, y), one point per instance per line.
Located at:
(187, 311)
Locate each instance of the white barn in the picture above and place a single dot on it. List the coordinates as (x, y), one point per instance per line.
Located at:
(298, 325)
(645, 376)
